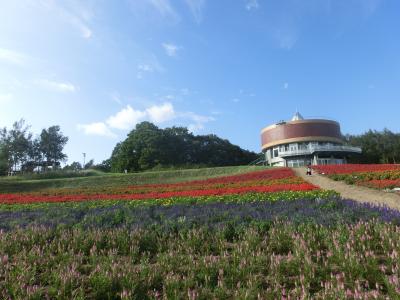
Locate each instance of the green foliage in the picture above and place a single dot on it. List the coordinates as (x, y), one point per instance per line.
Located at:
(377, 147)
(148, 147)
(25, 184)
(19, 152)
(3, 160)
(52, 143)
(304, 261)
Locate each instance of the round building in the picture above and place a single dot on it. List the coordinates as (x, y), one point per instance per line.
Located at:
(300, 142)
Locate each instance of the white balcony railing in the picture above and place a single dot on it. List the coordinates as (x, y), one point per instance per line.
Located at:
(313, 149)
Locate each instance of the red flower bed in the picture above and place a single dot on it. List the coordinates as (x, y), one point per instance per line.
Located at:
(381, 184)
(267, 181)
(26, 198)
(354, 168)
(270, 174)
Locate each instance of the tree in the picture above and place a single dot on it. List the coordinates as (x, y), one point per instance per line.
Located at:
(52, 143)
(148, 146)
(3, 160)
(89, 164)
(74, 166)
(377, 146)
(16, 145)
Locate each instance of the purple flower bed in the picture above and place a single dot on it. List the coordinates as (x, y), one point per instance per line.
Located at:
(320, 211)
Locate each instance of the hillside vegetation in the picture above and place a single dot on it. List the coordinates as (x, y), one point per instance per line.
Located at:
(24, 184)
(148, 146)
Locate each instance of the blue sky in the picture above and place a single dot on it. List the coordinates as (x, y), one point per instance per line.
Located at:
(97, 68)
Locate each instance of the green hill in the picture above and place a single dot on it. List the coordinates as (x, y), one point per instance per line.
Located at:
(23, 184)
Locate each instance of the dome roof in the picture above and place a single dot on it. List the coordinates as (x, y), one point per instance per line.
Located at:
(297, 116)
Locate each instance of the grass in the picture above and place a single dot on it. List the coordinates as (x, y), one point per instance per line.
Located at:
(21, 184)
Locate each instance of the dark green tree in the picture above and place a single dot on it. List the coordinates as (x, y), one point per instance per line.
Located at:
(74, 166)
(16, 145)
(52, 143)
(377, 146)
(148, 146)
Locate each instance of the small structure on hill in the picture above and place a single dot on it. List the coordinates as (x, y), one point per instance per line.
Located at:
(300, 142)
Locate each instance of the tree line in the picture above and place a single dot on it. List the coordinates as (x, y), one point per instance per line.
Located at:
(148, 146)
(377, 147)
(20, 151)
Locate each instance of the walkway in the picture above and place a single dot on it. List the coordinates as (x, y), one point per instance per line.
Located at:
(354, 192)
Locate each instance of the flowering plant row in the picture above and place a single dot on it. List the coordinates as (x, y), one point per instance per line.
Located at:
(267, 181)
(278, 260)
(27, 198)
(373, 176)
(354, 168)
(143, 189)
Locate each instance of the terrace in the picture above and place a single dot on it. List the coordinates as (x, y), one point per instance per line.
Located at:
(312, 149)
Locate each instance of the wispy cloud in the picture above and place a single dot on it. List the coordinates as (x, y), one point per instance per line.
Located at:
(252, 4)
(171, 49)
(97, 128)
(164, 7)
(116, 97)
(150, 66)
(197, 122)
(286, 85)
(370, 6)
(286, 38)
(12, 57)
(196, 7)
(74, 13)
(56, 85)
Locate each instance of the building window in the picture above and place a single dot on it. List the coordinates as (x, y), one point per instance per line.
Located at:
(276, 153)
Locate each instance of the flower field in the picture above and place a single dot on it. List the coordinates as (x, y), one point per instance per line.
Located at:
(266, 181)
(263, 234)
(373, 176)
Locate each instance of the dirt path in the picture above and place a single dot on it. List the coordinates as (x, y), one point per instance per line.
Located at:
(357, 193)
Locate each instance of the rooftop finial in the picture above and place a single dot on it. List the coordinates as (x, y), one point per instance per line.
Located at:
(297, 116)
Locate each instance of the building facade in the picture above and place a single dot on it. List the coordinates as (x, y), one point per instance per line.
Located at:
(300, 142)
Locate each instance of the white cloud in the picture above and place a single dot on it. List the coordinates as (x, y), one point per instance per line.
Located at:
(252, 4)
(126, 118)
(171, 49)
(56, 86)
(236, 100)
(286, 85)
(5, 98)
(12, 57)
(97, 128)
(196, 7)
(161, 113)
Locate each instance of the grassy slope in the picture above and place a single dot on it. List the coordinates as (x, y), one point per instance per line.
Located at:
(19, 184)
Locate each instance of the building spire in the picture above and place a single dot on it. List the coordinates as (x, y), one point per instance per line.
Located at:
(297, 116)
